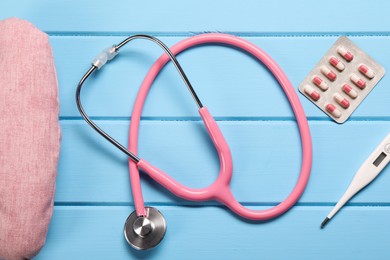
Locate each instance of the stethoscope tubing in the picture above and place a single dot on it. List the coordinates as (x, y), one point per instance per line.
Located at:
(219, 190)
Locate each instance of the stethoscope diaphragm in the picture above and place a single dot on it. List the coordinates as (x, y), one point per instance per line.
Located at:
(145, 232)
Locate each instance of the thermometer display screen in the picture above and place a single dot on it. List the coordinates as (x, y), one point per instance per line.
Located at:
(379, 159)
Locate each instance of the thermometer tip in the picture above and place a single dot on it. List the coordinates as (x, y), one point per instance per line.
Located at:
(326, 220)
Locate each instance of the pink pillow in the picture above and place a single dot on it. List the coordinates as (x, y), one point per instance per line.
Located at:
(29, 138)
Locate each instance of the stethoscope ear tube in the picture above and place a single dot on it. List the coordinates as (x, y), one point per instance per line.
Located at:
(108, 54)
(80, 107)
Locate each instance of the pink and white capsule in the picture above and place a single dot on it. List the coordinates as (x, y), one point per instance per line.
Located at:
(366, 71)
(345, 54)
(358, 81)
(336, 63)
(320, 83)
(350, 91)
(312, 93)
(328, 73)
(333, 110)
(341, 100)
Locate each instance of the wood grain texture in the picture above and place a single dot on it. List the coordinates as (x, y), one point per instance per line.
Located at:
(215, 72)
(213, 233)
(266, 158)
(93, 196)
(170, 16)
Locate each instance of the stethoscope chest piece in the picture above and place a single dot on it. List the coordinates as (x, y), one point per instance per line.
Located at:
(145, 232)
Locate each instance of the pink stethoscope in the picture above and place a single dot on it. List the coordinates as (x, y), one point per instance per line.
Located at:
(146, 226)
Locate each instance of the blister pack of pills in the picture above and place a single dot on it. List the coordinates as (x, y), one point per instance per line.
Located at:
(341, 80)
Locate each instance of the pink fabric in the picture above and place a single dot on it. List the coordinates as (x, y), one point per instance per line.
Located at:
(29, 138)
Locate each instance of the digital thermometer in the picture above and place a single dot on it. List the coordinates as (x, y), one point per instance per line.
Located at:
(366, 174)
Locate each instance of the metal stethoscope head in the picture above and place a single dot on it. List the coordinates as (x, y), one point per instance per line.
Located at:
(146, 227)
(145, 232)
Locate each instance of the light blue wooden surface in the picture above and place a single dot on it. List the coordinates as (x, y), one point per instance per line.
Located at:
(93, 196)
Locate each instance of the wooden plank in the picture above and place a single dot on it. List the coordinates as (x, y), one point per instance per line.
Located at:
(203, 232)
(242, 95)
(250, 16)
(230, 83)
(266, 157)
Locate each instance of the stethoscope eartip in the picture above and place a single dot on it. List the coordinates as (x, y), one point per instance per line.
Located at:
(145, 232)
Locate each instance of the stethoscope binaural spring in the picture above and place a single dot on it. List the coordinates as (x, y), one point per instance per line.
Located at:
(146, 227)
